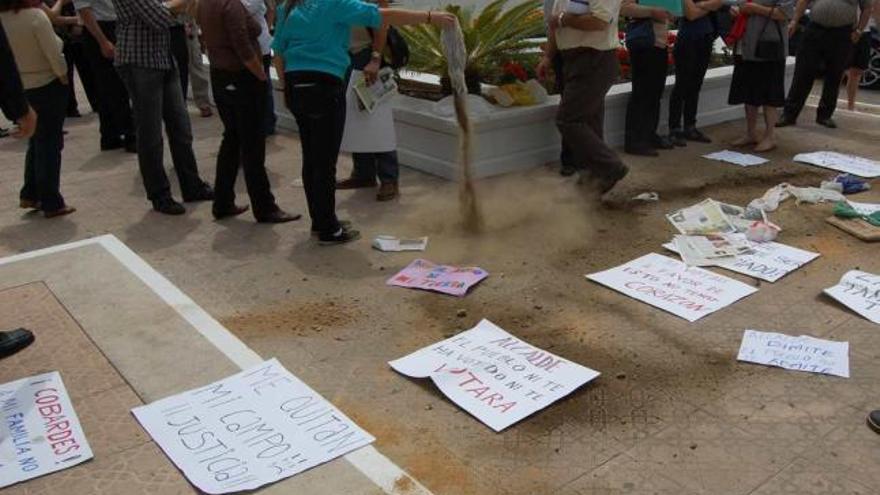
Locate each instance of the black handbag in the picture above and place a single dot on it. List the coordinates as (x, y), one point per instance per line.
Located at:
(770, 49)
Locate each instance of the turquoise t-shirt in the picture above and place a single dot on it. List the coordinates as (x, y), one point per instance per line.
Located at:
(316, 35)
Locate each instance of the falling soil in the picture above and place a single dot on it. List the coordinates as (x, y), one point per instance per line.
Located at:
(456, 59)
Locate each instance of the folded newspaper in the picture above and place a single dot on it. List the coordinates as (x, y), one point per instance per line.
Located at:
(704, 218)
(707, 250)
(370, 97)
(391, 243)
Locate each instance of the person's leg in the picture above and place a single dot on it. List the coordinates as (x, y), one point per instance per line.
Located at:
(567, 165)
(388, 170)
(702, 57)
(114, 100)
(806, 69)
(271, 119)
(84, 70)
(72, 104)
(768, 141)
(145, 87)
(252, 118)
(180, 53)
(28, 196)
(853, 76)
(103, 71)
(198, 74)
(683, 61)
(654, 96)
(180, 138)
(228, 157)
(838, 50)
(751, 136)
(636, 140)
(364, 168)
(50, 103)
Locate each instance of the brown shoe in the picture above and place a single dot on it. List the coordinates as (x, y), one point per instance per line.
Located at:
(387, 191)
(67, 210)
(355, 183)
(29, 204)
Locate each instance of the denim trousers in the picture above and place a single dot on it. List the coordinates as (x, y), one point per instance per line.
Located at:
(369, 165)
(114, 108)
(42, 163)
(240, 99)
(317, 101)
(270, 120)
(156, 97)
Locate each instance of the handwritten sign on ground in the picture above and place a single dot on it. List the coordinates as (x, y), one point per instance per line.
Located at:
(803, 353)
(860, 292)
(687, 292)
(421, 274)
(856, 165)
(496, 377)
(253, 428)
(769, 261)
(736, 158)
(39, 430)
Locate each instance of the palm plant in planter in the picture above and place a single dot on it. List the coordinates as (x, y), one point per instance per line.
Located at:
(493, 37)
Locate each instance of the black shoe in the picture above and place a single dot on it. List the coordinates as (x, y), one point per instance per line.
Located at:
(874, 420)
(786, 121)
(279, 216)
(228, 211)
(111, 144)
(345, 224)
(606, 184)
(202, 192)
(14, 341)
(168, 206)
(567, 171)
(829, 123)
(694, 134)
(663, 143)
(676, 137)
(640, 151)
(341, 236)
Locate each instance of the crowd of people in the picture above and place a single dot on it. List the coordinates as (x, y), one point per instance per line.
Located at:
(137, 58)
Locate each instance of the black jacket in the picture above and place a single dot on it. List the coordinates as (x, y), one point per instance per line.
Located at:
(12, 100)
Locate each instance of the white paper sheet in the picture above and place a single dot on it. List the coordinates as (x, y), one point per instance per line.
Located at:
(741, 159)
(698, 250)
(856, 165)
(865, 208)
(393, 244)
(688, 292)
(253, 428)
(860, 292)
(494, 376)
(768, 261)
(39, 430)
(803, 353)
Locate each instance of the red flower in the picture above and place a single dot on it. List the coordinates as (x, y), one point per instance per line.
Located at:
(671, 39)
(516, 70)
(623, 55)
(621, 35)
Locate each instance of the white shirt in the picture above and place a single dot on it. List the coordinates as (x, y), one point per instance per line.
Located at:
(257, 10)
(606, 10)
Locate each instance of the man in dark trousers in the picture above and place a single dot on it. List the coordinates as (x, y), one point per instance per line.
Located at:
(834, 29)
(16, 109)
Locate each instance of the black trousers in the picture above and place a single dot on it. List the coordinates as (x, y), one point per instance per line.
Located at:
(180, 53)
(42, 165)
(241, 103)
(565, 156)
(821, 47)
(643, 108)
(114, 108)
(317, 101)
(692, 58)
(75, 56)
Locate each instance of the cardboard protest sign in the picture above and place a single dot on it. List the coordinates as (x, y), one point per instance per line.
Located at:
(253, 428)
(856, 165)
(803, 353)
(687, 292)
(769, 261)
(421, 274)
(494, 376)
(860, 292)
(39, 431)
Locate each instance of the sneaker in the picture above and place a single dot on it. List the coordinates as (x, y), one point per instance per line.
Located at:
(874, 420)
(14, 341)
(388, 191)
(694, 134)
(345, 224)
(829, 123)
(168, 206)
(341, 236)
(355, 183)
(203, 192)
(786, 121)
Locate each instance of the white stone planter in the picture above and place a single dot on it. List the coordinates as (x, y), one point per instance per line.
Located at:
(513, 139)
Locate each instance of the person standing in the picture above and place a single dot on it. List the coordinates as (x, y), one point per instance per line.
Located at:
(68, 27)
(646, 39)
(860, 58)
(759, 70)
(38, 56)
(369, 136)
(147, 67)
(260, 11)
(99, 44)
(566, 168)
(692, 53)
(311, 58)
(834, 29)
(239, 81)
(588, 45)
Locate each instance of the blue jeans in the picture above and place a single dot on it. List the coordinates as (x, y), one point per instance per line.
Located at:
(369, 165)
(270, 118)
(42, 164)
